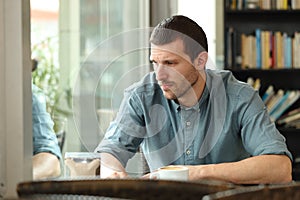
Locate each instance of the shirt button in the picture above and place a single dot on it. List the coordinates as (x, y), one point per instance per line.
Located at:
(188, 123)
(188, 152)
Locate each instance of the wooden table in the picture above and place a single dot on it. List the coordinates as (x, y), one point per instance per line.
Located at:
(122, 188)
(96, 188)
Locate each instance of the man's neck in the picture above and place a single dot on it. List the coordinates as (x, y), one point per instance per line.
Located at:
(193, 95)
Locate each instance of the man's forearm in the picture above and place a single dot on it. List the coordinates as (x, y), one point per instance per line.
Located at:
(254, 170)
(45, 165)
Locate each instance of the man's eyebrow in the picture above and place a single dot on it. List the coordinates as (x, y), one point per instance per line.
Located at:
(169, 59)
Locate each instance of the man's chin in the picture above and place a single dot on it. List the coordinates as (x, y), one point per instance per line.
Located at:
(169, 95)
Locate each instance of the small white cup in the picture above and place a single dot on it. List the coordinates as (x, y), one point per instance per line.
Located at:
(171, 172)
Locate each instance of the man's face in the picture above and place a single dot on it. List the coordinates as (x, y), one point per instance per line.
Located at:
(174, 69)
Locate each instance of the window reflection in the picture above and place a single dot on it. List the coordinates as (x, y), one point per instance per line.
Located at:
(114, 54)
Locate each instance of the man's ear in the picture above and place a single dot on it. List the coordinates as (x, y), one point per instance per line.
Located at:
(201, 60)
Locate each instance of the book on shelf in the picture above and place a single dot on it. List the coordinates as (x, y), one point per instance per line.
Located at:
(254, 83)
(240, 4)
(265, 50)
(258, 47)
(248, 52)
(257, 84)
(268, 94)
(288, 52)
(252, 4)
(265, 4)
(262, 4)
(281, 4)
(233, 43)
(273, 50)
(293, 124)
(278, 50)
(286, 102)
(277, 103)
(262, 49)
(293, 115)
(296, 50)
(229, 32)
(295, 4)
(281, 100)
(236, 43)
(275, 100)
(233, 4)
(250, 81)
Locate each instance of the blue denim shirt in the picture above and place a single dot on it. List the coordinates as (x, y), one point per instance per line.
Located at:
(44, 138)
(229, 123)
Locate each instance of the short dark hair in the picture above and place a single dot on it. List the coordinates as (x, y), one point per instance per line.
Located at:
(178, 26)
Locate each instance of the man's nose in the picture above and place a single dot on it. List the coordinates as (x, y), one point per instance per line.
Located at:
(161, 72)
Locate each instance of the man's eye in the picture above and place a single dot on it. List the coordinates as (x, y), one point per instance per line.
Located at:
(168, 63)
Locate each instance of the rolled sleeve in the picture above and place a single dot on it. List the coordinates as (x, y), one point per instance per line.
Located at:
(44, 138)
(125, 133)
(259, 133)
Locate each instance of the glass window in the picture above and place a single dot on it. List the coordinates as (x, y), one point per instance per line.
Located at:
(113, 55)
(101, 48)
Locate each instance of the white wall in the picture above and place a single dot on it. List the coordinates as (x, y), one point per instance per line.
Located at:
(204, 13)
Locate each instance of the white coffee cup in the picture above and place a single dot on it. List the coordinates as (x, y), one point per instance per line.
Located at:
(171, 172)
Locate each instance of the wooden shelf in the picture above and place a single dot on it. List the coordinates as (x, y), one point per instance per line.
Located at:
(262, 12)
(246, 21)
(286, 79)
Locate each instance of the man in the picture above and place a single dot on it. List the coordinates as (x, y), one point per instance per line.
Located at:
(184, 114)
(46, 152)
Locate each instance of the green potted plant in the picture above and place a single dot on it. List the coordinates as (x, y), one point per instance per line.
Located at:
(47, 77)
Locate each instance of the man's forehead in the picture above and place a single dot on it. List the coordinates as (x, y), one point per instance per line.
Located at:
(166, 51)
(175, 48)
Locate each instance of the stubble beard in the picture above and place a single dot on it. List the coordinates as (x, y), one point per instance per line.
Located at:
(176, 93)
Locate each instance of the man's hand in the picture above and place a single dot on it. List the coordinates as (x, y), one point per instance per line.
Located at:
(45, 165)
(111, 167)
(117, 175)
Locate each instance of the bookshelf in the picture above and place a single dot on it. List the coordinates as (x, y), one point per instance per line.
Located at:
(238, 20)
(247, 21)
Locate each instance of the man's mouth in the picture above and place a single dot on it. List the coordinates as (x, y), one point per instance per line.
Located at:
(165, 86)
